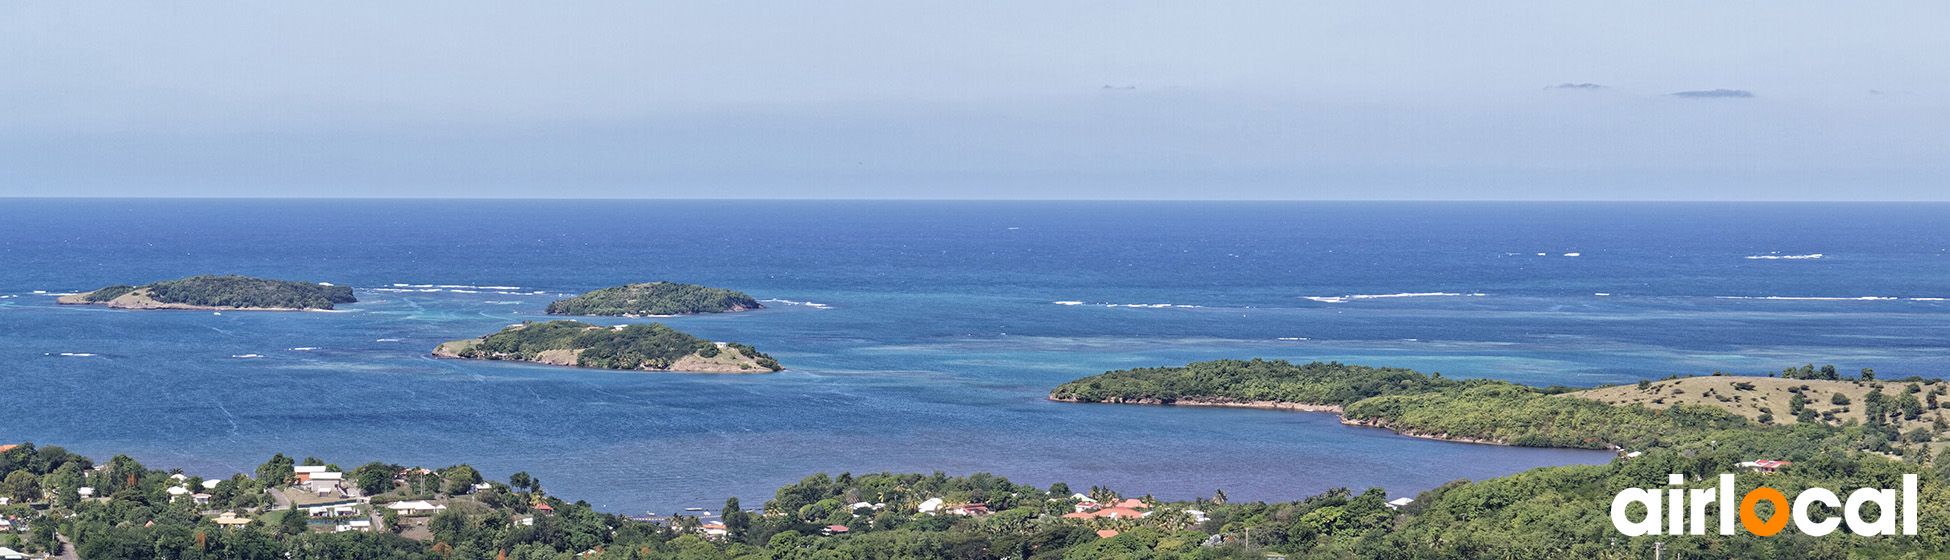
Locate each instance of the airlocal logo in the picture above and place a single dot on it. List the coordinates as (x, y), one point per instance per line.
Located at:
(1678, 502)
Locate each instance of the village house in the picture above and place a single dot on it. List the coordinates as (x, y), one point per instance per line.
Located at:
(1107, 533)
(11, 554)
(1399, 503)
(834, 529)
(930, 506)
(200, 498)
(970, 509)
(1766, 466)
(361, 525)
(325, 482)
(416, 507)
(304, 473)
(230, 519)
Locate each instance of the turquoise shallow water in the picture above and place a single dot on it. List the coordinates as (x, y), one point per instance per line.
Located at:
(922, 336)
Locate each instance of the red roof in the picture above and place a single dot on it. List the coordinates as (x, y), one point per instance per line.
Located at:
(8, 447)
(1119, 512)
(836, 528)
(1132, 503)
(544, 507)
(1106, 533)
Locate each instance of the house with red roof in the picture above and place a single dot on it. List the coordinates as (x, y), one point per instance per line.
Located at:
(1106, 533)
(1133, 503)
(1119, 513)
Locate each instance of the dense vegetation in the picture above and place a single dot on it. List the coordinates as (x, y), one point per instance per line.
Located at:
(1553, 512)
(1429, 405)
(1252, 380)
(232, 291)
(654, 298)
(646, 346)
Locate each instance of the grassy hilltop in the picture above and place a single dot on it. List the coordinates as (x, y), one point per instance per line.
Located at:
(649, 347)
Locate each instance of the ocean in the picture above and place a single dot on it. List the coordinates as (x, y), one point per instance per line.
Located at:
(923, 336)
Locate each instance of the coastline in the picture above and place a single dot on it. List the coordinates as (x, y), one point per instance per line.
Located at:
(1295, 407)
(565, 358)
(75, 299)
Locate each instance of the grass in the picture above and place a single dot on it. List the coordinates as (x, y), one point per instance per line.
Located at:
(1755, 396)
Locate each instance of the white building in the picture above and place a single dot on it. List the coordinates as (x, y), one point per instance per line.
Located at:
(416, 507)
(931, 505)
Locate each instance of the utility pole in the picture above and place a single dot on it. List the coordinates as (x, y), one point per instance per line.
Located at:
(1658, 550)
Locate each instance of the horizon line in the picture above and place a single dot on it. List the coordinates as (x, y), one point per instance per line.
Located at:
(876, 199)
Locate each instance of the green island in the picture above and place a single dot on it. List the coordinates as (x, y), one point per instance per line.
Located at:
(209, 292)
(654, 299)
(645, 347)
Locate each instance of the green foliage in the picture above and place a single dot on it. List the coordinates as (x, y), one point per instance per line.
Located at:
(654, 298)
(646, 346)
(1320, 383)
(245, 292)
(107, 293)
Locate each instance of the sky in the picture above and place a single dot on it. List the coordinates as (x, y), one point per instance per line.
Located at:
(1327, 100)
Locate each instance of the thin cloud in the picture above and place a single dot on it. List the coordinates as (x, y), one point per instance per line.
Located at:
(1582, 85)
(1715, 94)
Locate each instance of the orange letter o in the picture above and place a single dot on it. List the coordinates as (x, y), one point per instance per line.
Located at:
(1752, 521)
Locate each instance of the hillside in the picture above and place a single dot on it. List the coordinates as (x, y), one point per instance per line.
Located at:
(208, 292)
(654, 299)
(1773, 398)
(648, 347)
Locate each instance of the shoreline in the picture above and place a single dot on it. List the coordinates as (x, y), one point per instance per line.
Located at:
(75, 299)
(1295, 407)
(443, 352)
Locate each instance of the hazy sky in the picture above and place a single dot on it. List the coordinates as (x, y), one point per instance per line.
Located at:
(903, 99)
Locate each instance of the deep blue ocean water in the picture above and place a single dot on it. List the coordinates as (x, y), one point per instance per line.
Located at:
(923, 336)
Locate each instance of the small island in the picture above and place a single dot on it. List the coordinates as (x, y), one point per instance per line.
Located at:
(654, 299)
(646, 347)
(223, 293)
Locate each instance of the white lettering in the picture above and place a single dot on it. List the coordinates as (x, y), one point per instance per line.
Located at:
(1629, 496)
(1885, 523)
(1809, 526)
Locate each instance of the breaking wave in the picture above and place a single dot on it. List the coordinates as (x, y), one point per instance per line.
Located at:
(805, 303)
(1772, 257)
(1348, 298)
(1133, 305)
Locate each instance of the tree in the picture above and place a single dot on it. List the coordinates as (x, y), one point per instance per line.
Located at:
(293, 522)
(1868, 374)
(459, 479)
(21, 486)
(391, 520)
(276, 472)
(520, 480)
(736, 522)
(1060, 490)
(1219, 496)
(375, 477)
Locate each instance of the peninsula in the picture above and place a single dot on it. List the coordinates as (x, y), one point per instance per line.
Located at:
(223, 293)
(647, 347)
(654, 299)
